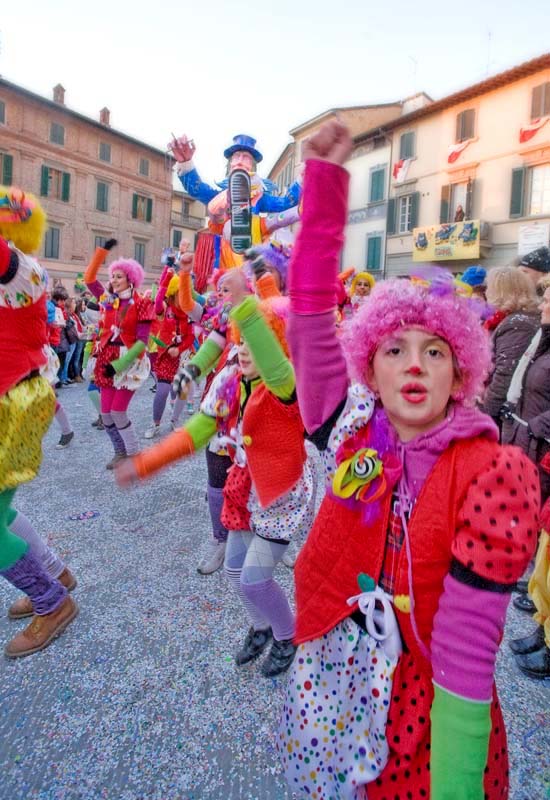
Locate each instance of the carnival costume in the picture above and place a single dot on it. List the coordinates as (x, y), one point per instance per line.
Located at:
(423, 539)
(27, 405)
(120, 365)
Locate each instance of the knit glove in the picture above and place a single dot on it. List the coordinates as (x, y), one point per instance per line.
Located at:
(459, 746)
(185, 375)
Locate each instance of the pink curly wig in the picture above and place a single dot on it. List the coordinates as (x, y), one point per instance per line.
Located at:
(133, 271)
(396, 304)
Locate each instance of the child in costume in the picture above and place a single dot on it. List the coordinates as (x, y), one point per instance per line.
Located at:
(361, 286)
(174, 339)
(27, 405)
(403, 583)
(120, 365)
(269, 489)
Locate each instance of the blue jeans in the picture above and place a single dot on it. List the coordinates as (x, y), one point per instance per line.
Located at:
(65, 371)
(77, 358)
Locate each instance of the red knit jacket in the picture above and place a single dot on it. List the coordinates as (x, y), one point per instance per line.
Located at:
(275, 451)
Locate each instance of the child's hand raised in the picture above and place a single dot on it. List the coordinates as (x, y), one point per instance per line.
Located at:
(331, 143)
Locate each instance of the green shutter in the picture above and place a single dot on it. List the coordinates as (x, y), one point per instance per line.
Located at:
(537, 101)
(134, 206)
(518, 186)
(66, 187)
(415, 202)
(44, 181)
(468, 211)
(374, 246)
(377, 185)
(546, 104)
(7, 169)
(406, 145)
(149, 215)
(444, 204)
(390, 220)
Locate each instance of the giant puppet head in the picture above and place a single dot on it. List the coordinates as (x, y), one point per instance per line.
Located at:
(22, 219)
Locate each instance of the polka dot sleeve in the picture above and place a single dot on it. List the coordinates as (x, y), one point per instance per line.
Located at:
(498, 522)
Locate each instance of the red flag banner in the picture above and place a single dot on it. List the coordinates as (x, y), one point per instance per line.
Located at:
(401, 169)
(529, 131)
(456, 149)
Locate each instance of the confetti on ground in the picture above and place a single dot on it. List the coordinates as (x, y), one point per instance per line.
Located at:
(140, 699)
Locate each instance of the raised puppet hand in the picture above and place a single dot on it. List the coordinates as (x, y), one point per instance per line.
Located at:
(331, 143)
(182, 148)
(186, 262)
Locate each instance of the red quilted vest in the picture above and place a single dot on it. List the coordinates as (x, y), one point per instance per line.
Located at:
(340, 546)
(23, 334)
(275, 453)
(125, 318)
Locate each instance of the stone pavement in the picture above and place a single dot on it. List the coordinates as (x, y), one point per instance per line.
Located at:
(139, 699)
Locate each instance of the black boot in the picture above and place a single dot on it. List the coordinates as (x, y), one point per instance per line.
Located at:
(279, 658)
(254, 644)
(524, 603)
(535, 665)
(521, 586)
(528, 644)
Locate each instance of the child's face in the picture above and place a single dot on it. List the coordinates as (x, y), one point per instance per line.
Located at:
(246, 362)
(413, 372)
(362, 288)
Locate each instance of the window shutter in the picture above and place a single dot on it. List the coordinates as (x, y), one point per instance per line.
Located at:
(7, 169)
(468, 211)
(149, 214)
(469, 123)
(518, 186)
(546, 103)
(66, 187)
(390, 219)
(44, 181)
(459, 118)
(537, 101)
(415, 202)
(406, 146)
(373, 252)
(444, 204)
(176, 239)
(134, 206)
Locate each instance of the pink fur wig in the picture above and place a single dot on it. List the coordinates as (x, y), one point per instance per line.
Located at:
(131, 269)
(397, 304)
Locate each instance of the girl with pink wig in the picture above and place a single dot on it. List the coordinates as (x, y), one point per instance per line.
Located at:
(403, 583)
(121, 365)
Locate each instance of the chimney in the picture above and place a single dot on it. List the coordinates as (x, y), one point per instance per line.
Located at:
(59, 94)
(104, 117)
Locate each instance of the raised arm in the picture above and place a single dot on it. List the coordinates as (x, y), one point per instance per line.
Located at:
(90, 276)
(321, 374)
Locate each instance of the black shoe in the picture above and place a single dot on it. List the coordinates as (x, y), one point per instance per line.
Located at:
(521, 586)
(528, 644)
(66, 439)
(536, 665)
(254, 644)
(58, 385)
(279, 658)
(524, 603)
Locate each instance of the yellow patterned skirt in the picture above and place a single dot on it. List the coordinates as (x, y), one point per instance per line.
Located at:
(539, 585)
(26, 412)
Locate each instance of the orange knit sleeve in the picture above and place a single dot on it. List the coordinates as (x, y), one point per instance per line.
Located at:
(185, 293)
(93, 267)
(178, 445)
(266, 287)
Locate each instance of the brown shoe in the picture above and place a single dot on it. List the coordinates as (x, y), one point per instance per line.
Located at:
(23, 607)
(42, 630)
(114, 461)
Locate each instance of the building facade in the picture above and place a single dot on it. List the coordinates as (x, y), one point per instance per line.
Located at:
(187, 217)
(470, 174)
(95, 183)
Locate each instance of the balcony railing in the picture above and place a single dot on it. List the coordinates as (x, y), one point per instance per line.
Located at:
(186, 220)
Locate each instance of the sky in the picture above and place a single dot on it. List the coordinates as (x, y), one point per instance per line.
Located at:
(215, 69)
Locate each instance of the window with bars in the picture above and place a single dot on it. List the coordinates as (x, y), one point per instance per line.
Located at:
(142, 208)
(139, 252)
(377, 181)
(6, 168)
(540, 101)
(57, 133)
(465, 125)
(105, 152)
(51, 243)
(144, 166)
(102, 196)
(406, 145)
(55, 184)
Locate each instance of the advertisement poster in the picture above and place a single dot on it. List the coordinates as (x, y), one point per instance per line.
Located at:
(532, 236)
(453, 240)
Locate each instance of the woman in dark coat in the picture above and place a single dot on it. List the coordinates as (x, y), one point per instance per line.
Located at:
(514, 324)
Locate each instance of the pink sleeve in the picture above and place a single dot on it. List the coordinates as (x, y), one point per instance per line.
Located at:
(96, 288)
(321, 375)
(159, 300)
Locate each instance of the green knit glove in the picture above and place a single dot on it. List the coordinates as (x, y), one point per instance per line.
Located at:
(125, 361)
(87, 353)
(459, 746)
(206, 356)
